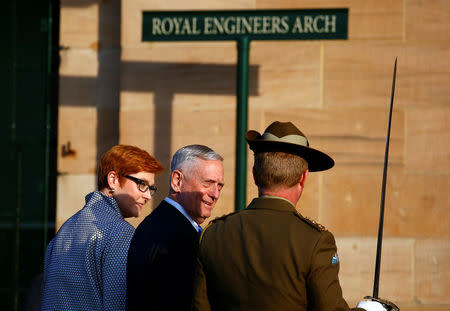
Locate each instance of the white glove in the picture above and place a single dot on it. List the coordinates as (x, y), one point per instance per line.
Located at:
(370, 305)
(377, 304)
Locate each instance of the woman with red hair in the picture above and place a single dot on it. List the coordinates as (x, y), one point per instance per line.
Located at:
(85, 264)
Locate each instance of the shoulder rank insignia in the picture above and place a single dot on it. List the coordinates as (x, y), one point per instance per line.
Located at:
(335, 259)
(316, 224)
(311, 222)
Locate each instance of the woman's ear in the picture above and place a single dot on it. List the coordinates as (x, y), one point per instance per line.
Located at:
(176, 180)
(113, 180)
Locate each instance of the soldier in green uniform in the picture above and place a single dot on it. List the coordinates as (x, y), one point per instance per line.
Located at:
(268, 256)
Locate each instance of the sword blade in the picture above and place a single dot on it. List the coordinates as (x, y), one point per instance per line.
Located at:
(376, 282)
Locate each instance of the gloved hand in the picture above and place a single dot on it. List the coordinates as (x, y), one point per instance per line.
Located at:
(377, 304)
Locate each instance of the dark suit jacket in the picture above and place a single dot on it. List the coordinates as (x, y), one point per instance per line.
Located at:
(267, 257)
(161, 261)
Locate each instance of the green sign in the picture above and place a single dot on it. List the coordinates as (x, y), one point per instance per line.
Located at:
(314, 24)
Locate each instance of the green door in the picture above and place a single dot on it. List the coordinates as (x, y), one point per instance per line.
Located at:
(28, 84)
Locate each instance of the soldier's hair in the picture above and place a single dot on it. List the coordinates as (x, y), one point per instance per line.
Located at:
(125, 160)
(278, 169)
(186, 158)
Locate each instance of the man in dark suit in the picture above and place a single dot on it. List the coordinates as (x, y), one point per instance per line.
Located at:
(268, 256)
(162, 253)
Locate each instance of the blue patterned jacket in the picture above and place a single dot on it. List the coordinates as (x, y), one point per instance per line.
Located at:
(85, 264)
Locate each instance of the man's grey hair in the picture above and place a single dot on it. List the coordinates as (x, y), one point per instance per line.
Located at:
(186, 157)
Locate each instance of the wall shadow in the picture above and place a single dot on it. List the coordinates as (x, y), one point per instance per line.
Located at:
(164, 79)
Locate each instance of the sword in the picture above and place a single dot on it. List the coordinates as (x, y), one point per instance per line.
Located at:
(383, 195)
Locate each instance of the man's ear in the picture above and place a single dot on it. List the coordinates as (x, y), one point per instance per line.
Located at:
(176, 180)
(253, 173)
(113, 180)
(303, 178)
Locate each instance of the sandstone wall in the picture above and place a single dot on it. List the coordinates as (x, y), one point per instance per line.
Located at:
(161, 96)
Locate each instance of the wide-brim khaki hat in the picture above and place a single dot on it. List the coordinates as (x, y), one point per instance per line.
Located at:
(285, 137)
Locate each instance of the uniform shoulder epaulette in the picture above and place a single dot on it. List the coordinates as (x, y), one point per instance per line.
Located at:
(311, 222)
(215, 220)
(222, 217)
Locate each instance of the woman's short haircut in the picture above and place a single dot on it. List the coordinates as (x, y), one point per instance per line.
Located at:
(278, 169)
(186, 157)
(125, 160)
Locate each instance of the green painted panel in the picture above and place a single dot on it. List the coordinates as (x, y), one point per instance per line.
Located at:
(28, 83)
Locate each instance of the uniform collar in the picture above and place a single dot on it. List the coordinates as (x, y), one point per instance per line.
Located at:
(273, 203)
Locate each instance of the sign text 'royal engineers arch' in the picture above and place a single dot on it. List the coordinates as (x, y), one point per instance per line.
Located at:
(316, 24)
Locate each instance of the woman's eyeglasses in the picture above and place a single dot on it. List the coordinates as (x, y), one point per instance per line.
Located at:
(142, 185)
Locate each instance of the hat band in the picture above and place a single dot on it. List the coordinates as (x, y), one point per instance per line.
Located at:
(291, 139)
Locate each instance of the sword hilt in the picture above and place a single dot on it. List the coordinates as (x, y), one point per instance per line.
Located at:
(389, 305)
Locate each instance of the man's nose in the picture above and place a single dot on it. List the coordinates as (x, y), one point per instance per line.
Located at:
(215, 192)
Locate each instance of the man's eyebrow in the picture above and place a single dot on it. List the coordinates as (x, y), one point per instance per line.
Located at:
(213, 181)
